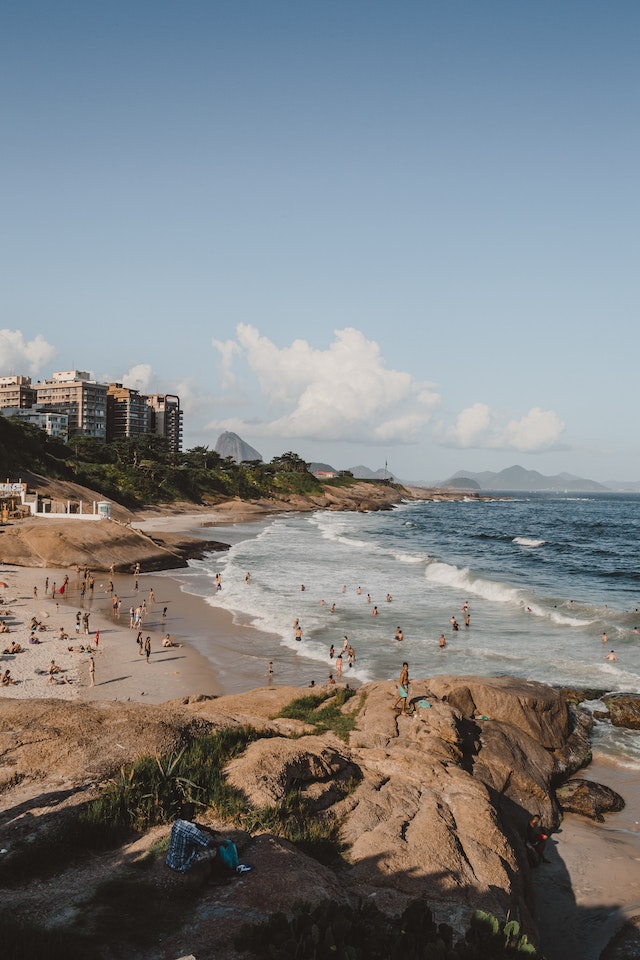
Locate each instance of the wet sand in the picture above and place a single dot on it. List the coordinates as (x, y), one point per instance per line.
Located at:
(592, 883)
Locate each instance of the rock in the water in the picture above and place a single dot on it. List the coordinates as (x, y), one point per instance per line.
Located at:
(624, 709)
(588, 798)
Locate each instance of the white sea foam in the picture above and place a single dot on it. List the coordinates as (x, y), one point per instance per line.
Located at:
(430, 559)
(452, 576)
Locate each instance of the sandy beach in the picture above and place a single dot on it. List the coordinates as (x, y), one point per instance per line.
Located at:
(581, 897)
(121, 672)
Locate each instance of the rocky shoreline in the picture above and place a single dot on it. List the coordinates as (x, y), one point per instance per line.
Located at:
(59, 541)
(439, 807)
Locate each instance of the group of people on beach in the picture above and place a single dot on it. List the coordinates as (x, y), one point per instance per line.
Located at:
(62, 591)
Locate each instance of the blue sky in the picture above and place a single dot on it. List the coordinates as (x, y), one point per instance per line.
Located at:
(360, 231)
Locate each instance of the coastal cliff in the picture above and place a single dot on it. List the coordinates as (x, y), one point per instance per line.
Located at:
(432, 805)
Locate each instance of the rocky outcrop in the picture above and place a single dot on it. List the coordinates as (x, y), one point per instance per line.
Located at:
(97, 544)
(589, 798)
(623, 710)
(269, 768)
(432, 804)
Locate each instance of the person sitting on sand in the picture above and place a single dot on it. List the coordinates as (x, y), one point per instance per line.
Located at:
(194, 847)
(54, 668)
(6, 678)
(331, 682)
(34, 640)
(168, 642)
(14, 648)
(4, 628)
(62, 635)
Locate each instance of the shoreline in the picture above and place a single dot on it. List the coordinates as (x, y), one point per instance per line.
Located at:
(582, 898)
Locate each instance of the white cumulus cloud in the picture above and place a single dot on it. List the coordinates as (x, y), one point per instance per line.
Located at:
(139, 377)
(479, 426)
(23, 357)
(342, 392)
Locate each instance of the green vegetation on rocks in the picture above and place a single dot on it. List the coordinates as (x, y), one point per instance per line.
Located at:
(336, 931)
(309, 709)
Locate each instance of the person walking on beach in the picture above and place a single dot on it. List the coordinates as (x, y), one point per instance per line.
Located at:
(147, 648)
(92, 672)
(85, 622)
(139, 641)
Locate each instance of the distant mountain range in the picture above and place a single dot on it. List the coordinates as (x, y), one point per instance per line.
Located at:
(514, 478)
(517, 478)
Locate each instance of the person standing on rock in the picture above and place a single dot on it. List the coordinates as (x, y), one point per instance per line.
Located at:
(403, 688)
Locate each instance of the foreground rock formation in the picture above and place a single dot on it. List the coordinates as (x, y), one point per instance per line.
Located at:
(439, 808)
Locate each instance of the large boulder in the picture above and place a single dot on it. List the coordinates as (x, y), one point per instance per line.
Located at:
(535, 708)
(624, 709)
(269, 768)
(588, 798)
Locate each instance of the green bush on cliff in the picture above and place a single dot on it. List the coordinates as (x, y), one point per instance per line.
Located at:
(336, 931)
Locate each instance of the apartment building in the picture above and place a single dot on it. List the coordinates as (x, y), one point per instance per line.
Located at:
(16, 392)
(166, 418)
(82, 399)
(128, 413)
(55, 424)
(89, 408)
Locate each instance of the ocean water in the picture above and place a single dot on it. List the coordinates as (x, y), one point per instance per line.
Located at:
(544, 577)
